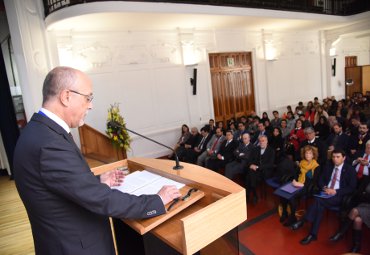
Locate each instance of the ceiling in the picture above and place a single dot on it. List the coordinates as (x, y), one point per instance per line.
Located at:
(148, 16)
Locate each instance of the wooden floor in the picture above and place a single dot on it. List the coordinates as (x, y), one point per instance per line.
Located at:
(15, 229)
(260, 234)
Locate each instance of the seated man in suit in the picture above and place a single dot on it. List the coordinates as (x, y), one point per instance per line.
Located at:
(68, 207)
(242, 156)
(337, 139)
(337, 180)
(261, 166)
(361, 165)
(357, 142)
(309, 133)
(241, 130)
(260, 131)
(213, 146)
(191, 154)
(225, 154)
(189, 144)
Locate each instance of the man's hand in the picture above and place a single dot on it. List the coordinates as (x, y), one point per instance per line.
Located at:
(168, 193)
(330, 191)
(253, 167)
(219, 156)
(112, 178)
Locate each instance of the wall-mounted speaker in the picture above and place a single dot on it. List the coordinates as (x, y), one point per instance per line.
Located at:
(333, 67)
(193, 81)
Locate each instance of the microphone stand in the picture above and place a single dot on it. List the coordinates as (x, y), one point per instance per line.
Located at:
(177, 166)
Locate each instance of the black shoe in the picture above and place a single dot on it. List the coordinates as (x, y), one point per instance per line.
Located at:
(308, 239)
(255, 200)
(290, 222)
(283, 218)
(356, 248)
(297, 225)
(336, 237)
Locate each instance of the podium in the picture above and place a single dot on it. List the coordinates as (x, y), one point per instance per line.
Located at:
(218, 206)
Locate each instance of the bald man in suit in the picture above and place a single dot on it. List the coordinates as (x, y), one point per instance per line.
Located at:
(68, 207)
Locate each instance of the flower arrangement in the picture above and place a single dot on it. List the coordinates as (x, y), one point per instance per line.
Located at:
(116, 130)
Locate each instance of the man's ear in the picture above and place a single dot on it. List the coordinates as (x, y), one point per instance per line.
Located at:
(64, 97)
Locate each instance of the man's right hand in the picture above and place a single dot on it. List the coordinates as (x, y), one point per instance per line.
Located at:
(168, 193)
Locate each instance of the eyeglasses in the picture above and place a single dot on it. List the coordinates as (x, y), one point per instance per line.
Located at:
(89, 98)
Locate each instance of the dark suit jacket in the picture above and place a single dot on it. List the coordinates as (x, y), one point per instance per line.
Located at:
(354, 143)
(347, 179)
(321, 147)
(341, 142)
(265, 162)
(243, 153)
(228, 151)
(67, 206)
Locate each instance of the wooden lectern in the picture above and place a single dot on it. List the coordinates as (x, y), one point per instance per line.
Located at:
(217, 207)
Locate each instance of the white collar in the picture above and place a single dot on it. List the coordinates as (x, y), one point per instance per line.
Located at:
(56, 119)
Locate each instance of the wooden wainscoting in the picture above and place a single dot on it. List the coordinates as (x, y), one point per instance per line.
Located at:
(98, 148)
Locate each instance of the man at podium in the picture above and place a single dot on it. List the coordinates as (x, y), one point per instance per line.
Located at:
(67, 205)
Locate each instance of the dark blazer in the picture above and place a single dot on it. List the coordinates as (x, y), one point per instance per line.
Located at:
(67, 206)
(354, 143)
(243, 153)
(228, 151)
(265, 162)
(321, 147)
(340, 142)
(347, 179)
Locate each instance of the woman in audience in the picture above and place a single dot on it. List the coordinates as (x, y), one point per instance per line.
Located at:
(268, 126)
(220, 124)
(185, 135)
(322, 129)
(277, 143)
(296, 136)
(320, 112)
(310, 113)
(357, 216)
(307, 179)
(264, 117)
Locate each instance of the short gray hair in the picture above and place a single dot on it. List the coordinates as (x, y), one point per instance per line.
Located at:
(56, 80)
(309, 130)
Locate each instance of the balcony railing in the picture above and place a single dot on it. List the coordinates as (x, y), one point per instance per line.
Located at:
(331, 7)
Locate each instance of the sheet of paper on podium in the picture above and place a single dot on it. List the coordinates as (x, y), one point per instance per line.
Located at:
(145, 183)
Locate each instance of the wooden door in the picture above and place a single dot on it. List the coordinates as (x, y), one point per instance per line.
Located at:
(353, 74)
(232, 84)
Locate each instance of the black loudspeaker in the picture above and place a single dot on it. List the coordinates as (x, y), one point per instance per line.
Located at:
(333, 67)
(193, 81)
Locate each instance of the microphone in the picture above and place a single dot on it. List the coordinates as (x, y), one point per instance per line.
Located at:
(177, 166)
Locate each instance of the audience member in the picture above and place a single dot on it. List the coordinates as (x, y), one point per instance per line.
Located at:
(261, 167)
(337, 180)
(357, 216)
(295, 138)
(337, 140)
(277, 143)
(275, 122)
(357, 142)
(185, 135)
(191, 155)
(242, 157)
(193, 141)
(307, 179)
(213, 147)
(313, 141)
(225, 153)
(322, 129)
